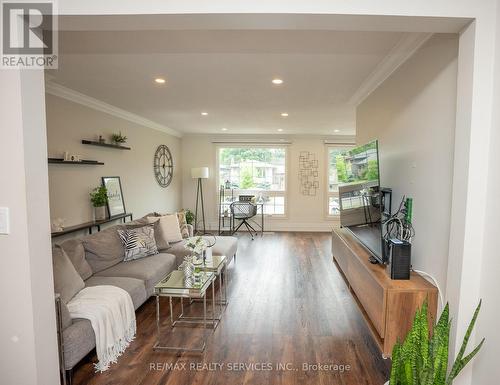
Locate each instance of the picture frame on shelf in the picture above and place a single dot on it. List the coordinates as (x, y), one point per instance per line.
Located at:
(116, 203)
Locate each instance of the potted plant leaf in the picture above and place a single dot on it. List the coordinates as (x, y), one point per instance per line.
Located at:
(99, 198)
(119, 138)
(423, 358)
(189, 216)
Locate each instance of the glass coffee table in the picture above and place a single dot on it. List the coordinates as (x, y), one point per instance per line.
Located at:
(217, 264)
(175, 285)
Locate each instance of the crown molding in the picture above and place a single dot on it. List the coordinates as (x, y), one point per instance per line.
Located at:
(398, 55)
(55, 89)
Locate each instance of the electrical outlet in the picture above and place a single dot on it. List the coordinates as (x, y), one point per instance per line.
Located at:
(4, 220)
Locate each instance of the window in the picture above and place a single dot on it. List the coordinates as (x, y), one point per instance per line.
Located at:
(333, 206)
(258, 171)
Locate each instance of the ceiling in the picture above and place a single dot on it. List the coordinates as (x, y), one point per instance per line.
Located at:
(228, 74)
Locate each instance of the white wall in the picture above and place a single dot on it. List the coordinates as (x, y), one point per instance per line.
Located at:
(67, 124)
(485, 369)
(305, 213)
(27, 325)
(412, 114)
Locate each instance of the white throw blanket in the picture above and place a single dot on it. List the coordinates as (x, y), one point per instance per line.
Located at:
(111, 313)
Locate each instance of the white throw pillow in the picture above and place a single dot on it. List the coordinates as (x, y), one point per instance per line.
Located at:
(169, 227)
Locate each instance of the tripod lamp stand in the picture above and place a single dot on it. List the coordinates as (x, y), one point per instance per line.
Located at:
(199, 173)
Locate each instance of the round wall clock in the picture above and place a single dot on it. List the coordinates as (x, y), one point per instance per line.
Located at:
(163, 166)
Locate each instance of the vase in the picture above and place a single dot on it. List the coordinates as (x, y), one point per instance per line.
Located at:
(188, 267)
(100, 213)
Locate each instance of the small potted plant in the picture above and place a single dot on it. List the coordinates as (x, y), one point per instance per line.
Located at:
(99, 198)
(189, 217)
(119, 138)
(423, 357)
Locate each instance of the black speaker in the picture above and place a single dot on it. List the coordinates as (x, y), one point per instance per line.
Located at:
(399, 259)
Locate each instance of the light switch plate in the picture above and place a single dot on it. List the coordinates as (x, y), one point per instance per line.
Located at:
(4, 220)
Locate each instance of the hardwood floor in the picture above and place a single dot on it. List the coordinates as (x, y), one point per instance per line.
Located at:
(288, 306)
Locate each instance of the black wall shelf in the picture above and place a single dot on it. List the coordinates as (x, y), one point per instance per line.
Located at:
(83, 162)
(90, 225)
(110, 145)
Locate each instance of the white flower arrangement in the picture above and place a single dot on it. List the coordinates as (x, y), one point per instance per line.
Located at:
(197, 245)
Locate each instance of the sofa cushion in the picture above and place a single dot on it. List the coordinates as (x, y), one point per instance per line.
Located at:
(76, 253)
(161, 243)
(141, 221)
(225, 246)
(67, 281)
(103, 249)
(169, 227)
(150, 270)
(78, 341)
(135, 287)
(179, 251)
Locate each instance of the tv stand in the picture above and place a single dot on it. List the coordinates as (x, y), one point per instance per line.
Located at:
(388, 306)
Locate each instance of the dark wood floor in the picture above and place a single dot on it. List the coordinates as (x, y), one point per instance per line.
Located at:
(288, 305)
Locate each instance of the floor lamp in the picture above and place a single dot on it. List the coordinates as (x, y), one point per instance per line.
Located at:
(199, 173)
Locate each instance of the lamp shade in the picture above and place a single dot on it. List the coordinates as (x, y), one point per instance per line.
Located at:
(199, 172)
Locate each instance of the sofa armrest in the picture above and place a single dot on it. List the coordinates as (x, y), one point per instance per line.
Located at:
(190, 229)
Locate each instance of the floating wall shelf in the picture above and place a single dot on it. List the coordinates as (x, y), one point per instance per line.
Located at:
(110, 145)
(83, 162)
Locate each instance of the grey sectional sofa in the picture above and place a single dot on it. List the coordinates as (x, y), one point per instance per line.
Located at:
(98, 259)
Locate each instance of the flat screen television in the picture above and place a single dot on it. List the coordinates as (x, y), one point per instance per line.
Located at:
(360, 197)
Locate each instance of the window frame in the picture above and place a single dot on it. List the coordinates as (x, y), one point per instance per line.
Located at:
(328, 194)
(284, 193)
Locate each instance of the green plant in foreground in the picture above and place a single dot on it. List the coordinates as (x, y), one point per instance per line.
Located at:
(99, 196)
(423, 360)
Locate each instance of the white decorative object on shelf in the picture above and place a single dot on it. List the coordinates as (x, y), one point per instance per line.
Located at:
(57, 225)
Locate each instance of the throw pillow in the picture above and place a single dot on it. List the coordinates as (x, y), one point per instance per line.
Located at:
(76, 252)
(103, 249)
(161, 243)
(169, 227)
(138, 243)
(183, 225)
(67, 281)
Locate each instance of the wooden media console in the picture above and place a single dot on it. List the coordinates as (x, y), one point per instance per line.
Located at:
(388, 305)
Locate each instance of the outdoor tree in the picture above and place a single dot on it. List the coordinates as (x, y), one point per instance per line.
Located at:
(236, 155)
(246, 178)
(372, 171)
(341, 168)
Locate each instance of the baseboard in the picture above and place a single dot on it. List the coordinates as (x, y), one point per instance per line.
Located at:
(283, 225)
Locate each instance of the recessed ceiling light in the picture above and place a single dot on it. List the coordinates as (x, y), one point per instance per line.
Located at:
(336, 130)
(280, 130)
(223, 129)
(204, 113)
(160, 80)
(284, 114)
(277, 81)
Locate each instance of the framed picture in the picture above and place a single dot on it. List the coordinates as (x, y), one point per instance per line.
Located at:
(116, 204)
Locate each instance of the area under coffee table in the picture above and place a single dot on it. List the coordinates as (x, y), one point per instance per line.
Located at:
(176, 285)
